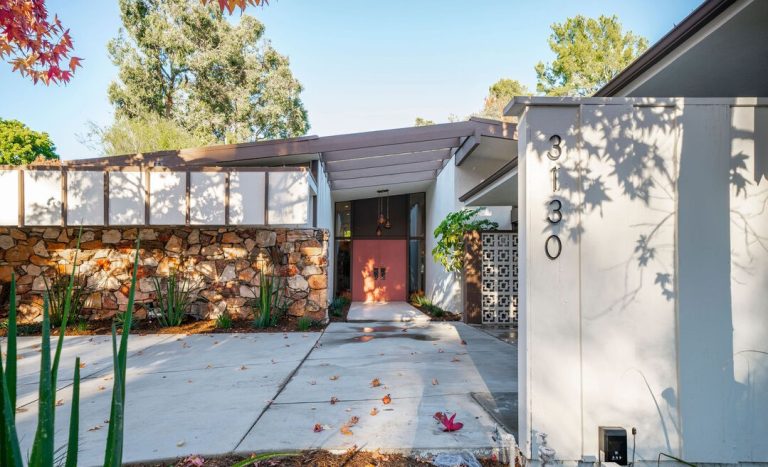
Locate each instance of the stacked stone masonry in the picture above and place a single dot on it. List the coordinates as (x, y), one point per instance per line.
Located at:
(226, 263)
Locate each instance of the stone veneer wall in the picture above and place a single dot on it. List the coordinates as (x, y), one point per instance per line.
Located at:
(226, 261)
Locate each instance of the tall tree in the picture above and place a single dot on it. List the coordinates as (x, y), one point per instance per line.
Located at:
(183, 61)
(589, 52)
(20, 145)
(499, 95)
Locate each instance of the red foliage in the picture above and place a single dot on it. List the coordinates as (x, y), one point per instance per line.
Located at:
(230, 5)
(35, 45)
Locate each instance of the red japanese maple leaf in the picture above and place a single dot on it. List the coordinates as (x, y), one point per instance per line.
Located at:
(448, 422)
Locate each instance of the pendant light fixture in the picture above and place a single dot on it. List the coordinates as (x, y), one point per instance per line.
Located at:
(387, 224)
(381, 219)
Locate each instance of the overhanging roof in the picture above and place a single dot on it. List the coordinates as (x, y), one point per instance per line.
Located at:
(352, 161)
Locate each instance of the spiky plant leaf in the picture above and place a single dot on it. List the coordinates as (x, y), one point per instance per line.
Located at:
(74, 419)
(10, 453)
(42, 446)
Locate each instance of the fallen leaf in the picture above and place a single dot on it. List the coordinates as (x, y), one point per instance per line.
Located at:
(180, 444)
(334, 377)
(345, 430)
(386, 399)
(59, 402)
(435, 382)
(189, 381)
(353, 421)
(374, 412)
(19, 357)
(312, 383)
(334, 400)
(209, 367)
(82, 365)
(440, 351)
(242, 368)
(101, 388)
(448, 422)
(375, 383)
(455, 359)
(463, 342)
(21, 410)
(318, 428)
(94, 428)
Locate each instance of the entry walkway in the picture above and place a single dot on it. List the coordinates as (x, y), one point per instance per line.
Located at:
(388, 312)
(214, 394)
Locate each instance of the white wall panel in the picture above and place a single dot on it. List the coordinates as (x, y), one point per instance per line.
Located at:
(42, 197)
(288, 198)
(206, 198)
(167, 198)
(9, 193)
(126, 198)
(246, 198)
(85, 197)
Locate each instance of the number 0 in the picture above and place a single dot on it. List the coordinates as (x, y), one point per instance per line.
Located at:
(558, 245)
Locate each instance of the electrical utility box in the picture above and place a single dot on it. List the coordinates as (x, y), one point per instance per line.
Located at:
(613, 445)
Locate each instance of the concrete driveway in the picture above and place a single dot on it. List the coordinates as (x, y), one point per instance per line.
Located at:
(213, 394)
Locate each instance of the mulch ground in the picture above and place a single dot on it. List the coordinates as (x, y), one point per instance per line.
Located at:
(142, 327)
(352, 458)
(446, 316)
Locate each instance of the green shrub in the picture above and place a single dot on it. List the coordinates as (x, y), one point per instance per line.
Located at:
(43, 450)
(58, 291)
(449, 250)
(304, 323)
(336, 307)
(174, 296)
(224, 321)
(271, 301)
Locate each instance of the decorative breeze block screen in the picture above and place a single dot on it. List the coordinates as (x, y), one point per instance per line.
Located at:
(499, 277)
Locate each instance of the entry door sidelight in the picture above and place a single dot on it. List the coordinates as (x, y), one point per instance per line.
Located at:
(379, 270)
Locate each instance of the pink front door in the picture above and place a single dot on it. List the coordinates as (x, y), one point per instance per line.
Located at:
(379, 270)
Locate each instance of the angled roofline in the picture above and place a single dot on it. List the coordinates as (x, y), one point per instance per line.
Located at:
(311, 145)
(699, 18)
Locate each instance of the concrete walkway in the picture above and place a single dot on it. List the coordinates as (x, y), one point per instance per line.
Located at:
(390, 311)
(213, 394)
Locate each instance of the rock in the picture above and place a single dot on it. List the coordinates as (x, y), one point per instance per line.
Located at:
(40, 249)
(320, 297)
(63, 238)
(193, 250)
(87, 236)
(39, 284)
(248, 292)
(211, 250)
(6, 241)
(37, 260)
(265, 238)
(194, 237)
(246, 275)
(311, 248)
(317, 281)
(228, 273)
(34, 270)
(18, 234)
(5, 273)
(108, 302)
(147, 234)
(298, 282)
(207, 269)
(93, 300)
(311, 271)
(299, 235)
(147, 285)
(297, 308)
(231, 237)
(111, 236)
(167, 264)
(174, 244)
(51, 233)
(250, 244)
(235, 252)
(18, 253)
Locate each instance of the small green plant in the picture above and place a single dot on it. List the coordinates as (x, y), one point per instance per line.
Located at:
(304, 323)
(337, 306)
(58, 291)
(174, 296)
(81, 325)
(419, 299)
(224, 321)
(271, 302)
(450, 237)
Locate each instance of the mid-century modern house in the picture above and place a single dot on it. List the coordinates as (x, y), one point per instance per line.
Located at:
(632, 245)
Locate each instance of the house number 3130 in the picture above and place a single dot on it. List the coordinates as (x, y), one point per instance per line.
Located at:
(552, 245)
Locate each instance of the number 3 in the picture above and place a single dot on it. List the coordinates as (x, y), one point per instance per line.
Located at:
(557, 215)
(554, 153)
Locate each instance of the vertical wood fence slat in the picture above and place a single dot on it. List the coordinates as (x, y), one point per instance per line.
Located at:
(64, 202)
(106, 197)
(188, 213)
(227, 179)
(146, 195)
(266, 198)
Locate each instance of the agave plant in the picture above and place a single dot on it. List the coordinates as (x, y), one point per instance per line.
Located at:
(271, 301)
(58, 290)
(174, 296)
(43, 450)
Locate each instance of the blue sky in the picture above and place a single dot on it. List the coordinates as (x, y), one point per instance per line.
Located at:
(364, 64)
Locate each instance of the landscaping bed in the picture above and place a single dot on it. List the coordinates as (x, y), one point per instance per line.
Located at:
(352, 458)
(189, 326)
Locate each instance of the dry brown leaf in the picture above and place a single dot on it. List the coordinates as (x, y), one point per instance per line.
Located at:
(386, 399)
(318, 428)
(374, 412)
(334, 377)
(59, 402)
(94, 428)
(345, 430)
(435, 382)
(21, 410)
(334, 400)
(353, 421)
(242, 368)
(101, 388)
(375, 383)
(82, 364)
(455, 359)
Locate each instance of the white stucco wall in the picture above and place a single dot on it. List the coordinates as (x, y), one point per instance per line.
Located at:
(246, 198)
(42, 197)
(9, 193)
(442, 198)
(653, 315)
(126, 198)
(207, 192)
(85, 197)
(288, 202)
(167, 198)
(325, 218)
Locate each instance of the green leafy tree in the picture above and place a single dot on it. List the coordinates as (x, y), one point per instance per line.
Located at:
(449, 250)
(589, 52)
(20, 145)
(142, 134)
(423, 122)
(183, 61)
(499, 95)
